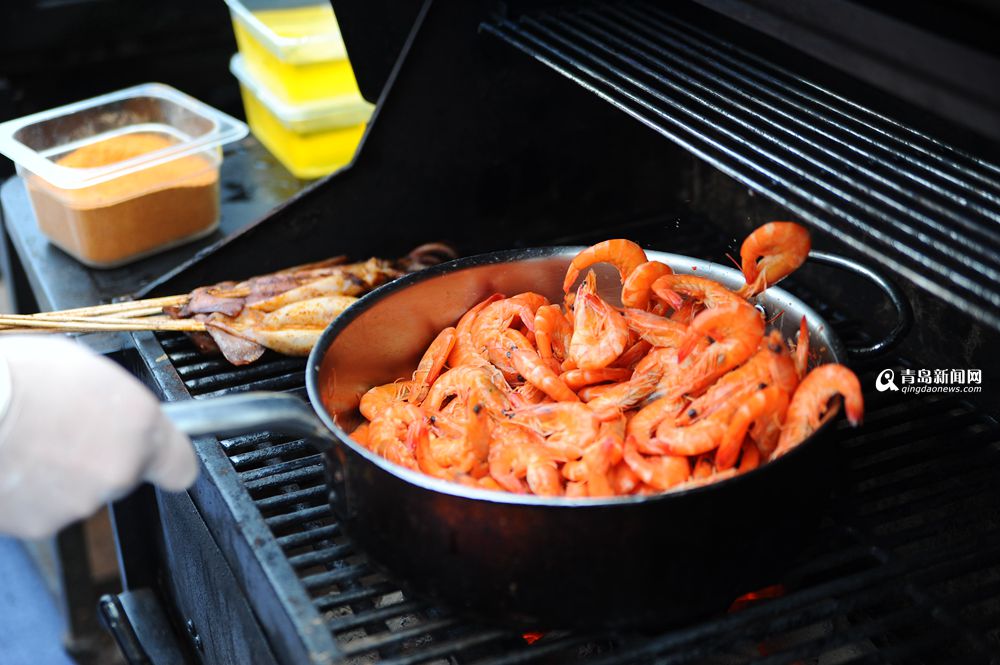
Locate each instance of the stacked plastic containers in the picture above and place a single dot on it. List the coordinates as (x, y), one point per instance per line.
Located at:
(301, 99)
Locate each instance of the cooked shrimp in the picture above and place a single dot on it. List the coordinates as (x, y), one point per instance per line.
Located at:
(659, 471)
(431, 364)
(468, 450)
(578, 378)
(749, 459)
(552, 332)
(619, 398)
(376, 399)
(802, 348)
(810, 405)
(771, 253)
(387, 433)
(465, 351)
(736, 330)
(360, 434)
(643, 424)
(485, 383)
(623, 479)
(702, 437)
(633, 354)
(529, 365)
(600, 333)
(671, 289)
(770, 365)
(568, 427)
(769, 404)
(489, 326)
(637, 286)
(624, 255)
(657, 330)
(520, 454)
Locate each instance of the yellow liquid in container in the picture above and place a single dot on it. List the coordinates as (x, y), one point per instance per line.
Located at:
(311, 140)
(305, 155)
(297, 53)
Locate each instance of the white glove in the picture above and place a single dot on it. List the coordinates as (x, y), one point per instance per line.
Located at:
(77, 431)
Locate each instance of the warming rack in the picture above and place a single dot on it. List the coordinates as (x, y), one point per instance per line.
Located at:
(905, 567)
(918, 206)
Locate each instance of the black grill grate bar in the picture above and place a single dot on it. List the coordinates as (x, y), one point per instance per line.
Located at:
(975, 538)
(313, 535)
(348, 621)
(192, 371)
(394, 639)
(761, 619)
(285, 382)
(878, 420)
(922, 206)
(938, 494)
(322, 556)
(540, 651)
(307, 495)
(977, 594)
(947, 274)
(271, 452)
(952, 164)
(912, 466)
(292, 477)
(903, 441)
(343, 598)
(446, 648)
(706, 119)
(812, 567)
(235, 377)
(882, 412)
(298, 517)
(347, 573)
(842, 637)
(279, 468)
(236, 443)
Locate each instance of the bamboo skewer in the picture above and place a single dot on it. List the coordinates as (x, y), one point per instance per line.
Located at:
(155, 305)
(86, 324)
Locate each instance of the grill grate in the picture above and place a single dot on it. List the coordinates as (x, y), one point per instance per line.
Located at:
(905, 568)
(917, 205)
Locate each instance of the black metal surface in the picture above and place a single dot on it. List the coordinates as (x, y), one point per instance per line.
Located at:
(900, 306)
(924, 210)
(140, 626)
(903, 568)
(946, 64)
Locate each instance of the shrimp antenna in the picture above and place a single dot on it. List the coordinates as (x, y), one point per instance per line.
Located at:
(736, 263)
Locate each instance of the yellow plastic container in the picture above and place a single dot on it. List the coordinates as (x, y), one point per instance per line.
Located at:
(311, 140)
(294, 48)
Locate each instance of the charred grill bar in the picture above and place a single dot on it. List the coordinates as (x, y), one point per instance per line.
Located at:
(904, 567)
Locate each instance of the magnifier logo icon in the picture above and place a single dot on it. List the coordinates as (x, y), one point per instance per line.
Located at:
(886, 380)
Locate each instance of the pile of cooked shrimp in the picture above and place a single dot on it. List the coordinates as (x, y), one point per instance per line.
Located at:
(681, 386)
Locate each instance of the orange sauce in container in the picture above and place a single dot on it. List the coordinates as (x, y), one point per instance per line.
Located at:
(132, 216)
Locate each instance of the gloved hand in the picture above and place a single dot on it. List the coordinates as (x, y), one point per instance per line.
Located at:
(77, 431)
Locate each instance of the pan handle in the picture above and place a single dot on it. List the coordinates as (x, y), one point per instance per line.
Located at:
(904, 313)
(239, 414)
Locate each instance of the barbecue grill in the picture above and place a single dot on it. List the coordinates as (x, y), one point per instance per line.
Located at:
(517, 126)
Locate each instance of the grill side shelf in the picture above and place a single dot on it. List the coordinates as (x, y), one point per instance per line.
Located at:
(916, 205)
(286, 614)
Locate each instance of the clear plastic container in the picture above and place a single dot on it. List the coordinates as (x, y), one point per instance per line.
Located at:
(121, 176)
(294, 48)
(311, 140)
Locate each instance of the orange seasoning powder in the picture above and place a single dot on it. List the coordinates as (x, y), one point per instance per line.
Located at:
(132, 216)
